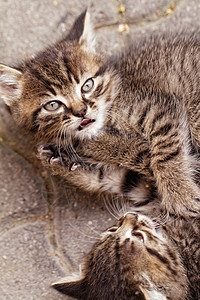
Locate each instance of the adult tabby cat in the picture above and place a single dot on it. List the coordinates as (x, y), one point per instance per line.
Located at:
(139, 260)
(139, 111)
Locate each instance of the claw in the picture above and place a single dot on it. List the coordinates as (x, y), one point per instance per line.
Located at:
(55, 160)
(44, 150)
(49, 154)
(74, 166)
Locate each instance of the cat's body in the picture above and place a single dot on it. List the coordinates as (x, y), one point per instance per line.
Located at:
(159, 99)
(138, 111)
(137, 259)
(123, 126)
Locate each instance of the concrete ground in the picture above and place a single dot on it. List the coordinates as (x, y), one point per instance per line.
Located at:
(46, 226)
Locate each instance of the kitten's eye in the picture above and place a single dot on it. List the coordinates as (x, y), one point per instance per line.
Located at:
(139, 236)
(112, 229)
(52, 106)
(88, 85)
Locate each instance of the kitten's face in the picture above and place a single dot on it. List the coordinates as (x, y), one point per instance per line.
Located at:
(132, 260)
(63, 92)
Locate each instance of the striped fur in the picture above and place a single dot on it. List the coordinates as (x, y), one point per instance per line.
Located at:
(137, 259)
(142, 109)
(139, 110)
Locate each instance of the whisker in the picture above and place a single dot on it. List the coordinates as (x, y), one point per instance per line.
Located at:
(124, 205)
(94, 231)
(110, 209)
(161, 219)
(75, 155)
(118, 206)
(118, 122)
(60, 141)
(114, 206)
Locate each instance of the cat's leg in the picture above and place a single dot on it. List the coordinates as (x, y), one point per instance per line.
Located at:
(174, 174)
(172, 163)
(100, 178)
(166, 157)
(90, 177)
(121, 150)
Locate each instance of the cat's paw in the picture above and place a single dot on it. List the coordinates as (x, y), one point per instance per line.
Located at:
(192, 209)
(51, 157)
(185, 204)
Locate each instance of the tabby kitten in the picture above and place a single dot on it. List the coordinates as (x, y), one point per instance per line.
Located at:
(138, 259)
(138, 111)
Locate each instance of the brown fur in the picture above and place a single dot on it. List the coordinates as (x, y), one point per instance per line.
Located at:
(142, 111)
(143, 123)
(137, 259)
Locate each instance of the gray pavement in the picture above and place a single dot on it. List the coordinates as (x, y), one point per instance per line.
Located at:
(46, 226)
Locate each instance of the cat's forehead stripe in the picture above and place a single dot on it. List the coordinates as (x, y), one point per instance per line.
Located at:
(47, 83)
(34, 126)
(71, 73)
(156, 254)
(163, 259)
(101, 70)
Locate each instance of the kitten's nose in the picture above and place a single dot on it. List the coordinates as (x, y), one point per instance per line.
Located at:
(80, 112)
(130, 218)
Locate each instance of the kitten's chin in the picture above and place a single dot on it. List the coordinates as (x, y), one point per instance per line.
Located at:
(88, 132)
(89, 128)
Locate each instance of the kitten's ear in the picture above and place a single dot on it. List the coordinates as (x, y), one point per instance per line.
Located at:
(83, 32)
(10, 84)
(73, 286)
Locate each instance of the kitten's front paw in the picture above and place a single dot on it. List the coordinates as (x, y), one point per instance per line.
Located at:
(192, 209)
(51, 157)
(185, 205)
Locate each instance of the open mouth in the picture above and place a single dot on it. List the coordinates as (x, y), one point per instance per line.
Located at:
(85, 123)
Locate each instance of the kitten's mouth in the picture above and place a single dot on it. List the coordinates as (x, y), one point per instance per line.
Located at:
(85, 123)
